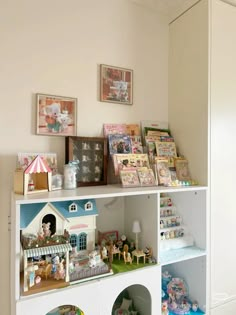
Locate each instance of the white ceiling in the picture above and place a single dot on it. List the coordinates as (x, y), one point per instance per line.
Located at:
(171, 8)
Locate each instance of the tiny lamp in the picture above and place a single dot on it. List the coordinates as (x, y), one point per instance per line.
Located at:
(136, 229)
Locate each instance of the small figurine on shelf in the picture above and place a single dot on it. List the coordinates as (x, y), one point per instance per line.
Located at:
(149, 255)
(164, 308)
(30, 185)
(60, 271)
(195, 306)
(166, 277)
(104, 253)
(46, 229)
(55, 263)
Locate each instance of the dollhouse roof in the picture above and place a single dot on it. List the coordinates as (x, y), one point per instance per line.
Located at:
(30, 211)
(38, 165)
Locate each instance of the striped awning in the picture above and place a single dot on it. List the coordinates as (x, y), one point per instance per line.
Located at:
(38, 165)
(54, 249)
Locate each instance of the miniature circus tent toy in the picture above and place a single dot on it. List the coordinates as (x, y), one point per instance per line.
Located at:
(37, 177)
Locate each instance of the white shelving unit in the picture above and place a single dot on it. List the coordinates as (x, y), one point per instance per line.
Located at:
(118, 208)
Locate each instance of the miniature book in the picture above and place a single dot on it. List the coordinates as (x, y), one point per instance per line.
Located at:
(114, 129)
(163, 172)
(151, 151)
(152, 138)
(166, 148)
(133, 129)
(136, 144)
(146, 177)
(152, 125)
(182, 169)
(129, 161)
(166, 138)
(158, 132)
(129, 178)
(119, 143)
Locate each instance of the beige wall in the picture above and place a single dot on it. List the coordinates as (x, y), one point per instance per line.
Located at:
(55, 47)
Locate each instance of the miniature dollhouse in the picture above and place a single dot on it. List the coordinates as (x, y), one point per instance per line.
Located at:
(64, 234)
(37, 177)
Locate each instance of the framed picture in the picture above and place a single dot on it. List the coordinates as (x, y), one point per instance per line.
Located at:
(56, 115)
(116, 85)
(104, 238)
(92, 156)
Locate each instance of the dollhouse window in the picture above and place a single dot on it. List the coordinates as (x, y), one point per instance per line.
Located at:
(73, 207)
(52, 219)
(82, 241)
(88, 206)
(73, 240)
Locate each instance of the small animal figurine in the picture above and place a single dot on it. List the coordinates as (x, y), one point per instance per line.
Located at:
(46, 229)
(104, 253)
(195, 306)
(164, 308)
(60, 271)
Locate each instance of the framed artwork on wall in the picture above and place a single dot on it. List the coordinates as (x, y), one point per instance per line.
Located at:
(116, 85)
(56, 115)
(91, 152)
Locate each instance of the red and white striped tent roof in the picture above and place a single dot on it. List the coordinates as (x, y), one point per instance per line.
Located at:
(38, 165)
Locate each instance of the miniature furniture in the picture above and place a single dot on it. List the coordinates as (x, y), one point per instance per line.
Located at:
(136, 230)
(114, 251)
(125, 251)
(44, 271)
(138, 254)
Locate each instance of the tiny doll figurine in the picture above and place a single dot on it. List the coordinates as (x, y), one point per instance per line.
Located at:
(60, 271)
(195, 306)
(164, 308)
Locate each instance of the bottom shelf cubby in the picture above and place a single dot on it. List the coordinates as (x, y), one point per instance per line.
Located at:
(184, 286)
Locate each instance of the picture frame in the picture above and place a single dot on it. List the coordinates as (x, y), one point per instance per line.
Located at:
(56, 115)
(116, 85)
(109, 236)
(91, 152)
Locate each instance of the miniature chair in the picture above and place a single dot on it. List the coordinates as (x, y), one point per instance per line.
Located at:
(127, 257)
(46, 271)
(125, 251)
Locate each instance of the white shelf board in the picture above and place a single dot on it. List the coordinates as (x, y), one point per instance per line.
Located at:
(176, 255)
(102, 191)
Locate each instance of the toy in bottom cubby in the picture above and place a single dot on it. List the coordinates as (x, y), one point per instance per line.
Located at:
(66, 310)
(124, 305)
(173, 233)
(175, 297)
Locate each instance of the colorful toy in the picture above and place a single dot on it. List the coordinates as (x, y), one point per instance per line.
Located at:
(164, 308)
(178, 293)
(37, 177)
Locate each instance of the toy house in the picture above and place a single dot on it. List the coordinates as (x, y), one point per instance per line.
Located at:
(37, 177)
(55, 228)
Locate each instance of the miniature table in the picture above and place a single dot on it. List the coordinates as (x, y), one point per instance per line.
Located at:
(116, 251)
(138, 254)
(113, 251)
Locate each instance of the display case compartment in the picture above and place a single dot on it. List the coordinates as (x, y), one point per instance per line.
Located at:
(194, 273)
(191, 207)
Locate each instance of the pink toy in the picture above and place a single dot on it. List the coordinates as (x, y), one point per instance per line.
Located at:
(164, 308)
(60, 272)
